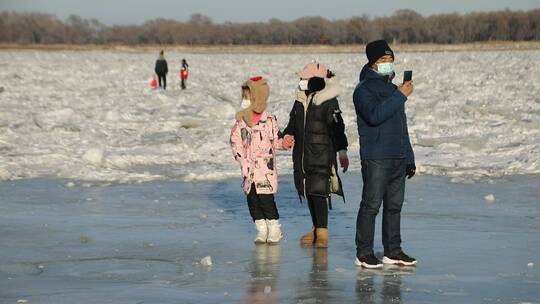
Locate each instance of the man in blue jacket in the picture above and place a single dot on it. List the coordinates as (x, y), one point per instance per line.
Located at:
(386, 153)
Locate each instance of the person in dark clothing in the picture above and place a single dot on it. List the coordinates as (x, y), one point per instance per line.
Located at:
(386, 154)
(161, 70)
(318, 131)
(184, 73)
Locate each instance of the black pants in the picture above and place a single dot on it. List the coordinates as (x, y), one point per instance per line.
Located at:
(164, 78)
(261, 206)
(384, 182)
(183, 84)
(318, 208)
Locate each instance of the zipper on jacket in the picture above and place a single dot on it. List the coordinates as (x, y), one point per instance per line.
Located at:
(402, 150)
(304, 141)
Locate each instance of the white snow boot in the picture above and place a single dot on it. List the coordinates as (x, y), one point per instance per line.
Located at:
(262, 231)
(274, 231)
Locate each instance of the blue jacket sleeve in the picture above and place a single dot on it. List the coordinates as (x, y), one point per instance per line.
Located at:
(409, 153)
(376, 112)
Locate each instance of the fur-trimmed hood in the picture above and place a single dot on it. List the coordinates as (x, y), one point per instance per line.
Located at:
(331, 90)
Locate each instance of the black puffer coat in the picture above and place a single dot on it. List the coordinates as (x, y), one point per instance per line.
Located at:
(319, 133)
(161, 66)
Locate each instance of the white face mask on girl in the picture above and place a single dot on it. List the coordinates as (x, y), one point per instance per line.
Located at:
(245, 103)
(303, 84)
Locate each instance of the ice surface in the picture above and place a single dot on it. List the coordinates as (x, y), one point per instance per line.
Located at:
(473, 114)
(143, 243)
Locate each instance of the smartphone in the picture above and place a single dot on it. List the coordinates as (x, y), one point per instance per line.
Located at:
(407, 76)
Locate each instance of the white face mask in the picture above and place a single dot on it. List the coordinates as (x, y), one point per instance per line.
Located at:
(303, 85)
(245, 103)
(385, 69)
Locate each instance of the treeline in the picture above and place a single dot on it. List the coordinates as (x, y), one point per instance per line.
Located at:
(405, 26)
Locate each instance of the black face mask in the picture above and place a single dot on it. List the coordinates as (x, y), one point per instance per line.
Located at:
(315, 84)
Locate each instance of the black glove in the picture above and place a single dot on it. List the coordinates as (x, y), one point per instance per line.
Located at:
(410, 171)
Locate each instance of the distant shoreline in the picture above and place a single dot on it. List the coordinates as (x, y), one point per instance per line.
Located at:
(279, 49)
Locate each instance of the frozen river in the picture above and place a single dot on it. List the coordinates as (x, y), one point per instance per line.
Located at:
(143, 243)
(91, 115)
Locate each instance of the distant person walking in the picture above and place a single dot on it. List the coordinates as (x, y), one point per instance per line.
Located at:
(161, 70)
(184, 73)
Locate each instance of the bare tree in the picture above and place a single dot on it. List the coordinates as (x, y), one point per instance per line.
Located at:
(405, 26)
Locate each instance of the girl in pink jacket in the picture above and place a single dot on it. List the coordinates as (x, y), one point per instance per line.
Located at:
(254, 141)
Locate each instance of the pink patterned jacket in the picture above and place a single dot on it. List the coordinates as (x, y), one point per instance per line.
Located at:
(255, 149)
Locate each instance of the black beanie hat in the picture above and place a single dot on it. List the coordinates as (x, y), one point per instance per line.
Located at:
(377, 49)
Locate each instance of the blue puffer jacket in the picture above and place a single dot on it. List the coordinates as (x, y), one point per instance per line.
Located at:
(381, 119)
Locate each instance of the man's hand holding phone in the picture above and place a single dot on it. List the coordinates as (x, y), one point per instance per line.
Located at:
(407, 87)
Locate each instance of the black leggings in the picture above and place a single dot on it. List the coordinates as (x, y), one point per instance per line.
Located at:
(318, 208)
(261, 206)
(164, 77)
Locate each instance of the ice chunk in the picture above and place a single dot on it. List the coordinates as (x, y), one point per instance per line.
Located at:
(21, 301)
(490, 198)
(4, 174)
(112, 116)
(64, 118)
(530, 265)
(94, 156)
(206, 261)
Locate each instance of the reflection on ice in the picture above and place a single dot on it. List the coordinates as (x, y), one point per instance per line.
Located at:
(148, 243)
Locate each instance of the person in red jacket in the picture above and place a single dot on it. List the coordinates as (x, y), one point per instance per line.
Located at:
(184, 73)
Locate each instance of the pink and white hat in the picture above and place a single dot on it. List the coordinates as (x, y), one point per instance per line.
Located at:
(313, 69)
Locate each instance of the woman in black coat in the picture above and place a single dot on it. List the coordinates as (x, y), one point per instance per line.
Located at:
(319, 135)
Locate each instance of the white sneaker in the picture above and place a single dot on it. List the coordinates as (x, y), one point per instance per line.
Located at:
(274, 231)
(369, 262)
(399, 259)
(262, 231)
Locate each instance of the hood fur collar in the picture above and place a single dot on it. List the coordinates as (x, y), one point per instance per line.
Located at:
(332, 90)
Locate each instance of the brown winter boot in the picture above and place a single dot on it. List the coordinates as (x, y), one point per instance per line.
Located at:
(321, 240)
(309, 238)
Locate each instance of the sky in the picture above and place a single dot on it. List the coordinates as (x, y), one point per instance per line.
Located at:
(124, 12)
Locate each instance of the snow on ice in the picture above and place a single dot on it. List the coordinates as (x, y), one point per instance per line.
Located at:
(91, 116)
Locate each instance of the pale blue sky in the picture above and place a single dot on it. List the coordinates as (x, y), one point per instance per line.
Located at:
(138, 11)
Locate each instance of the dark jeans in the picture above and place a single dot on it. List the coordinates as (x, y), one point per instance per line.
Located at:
(318, 208)
(164, 78)
(384, 181)
(183, 84)
(261, 206)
